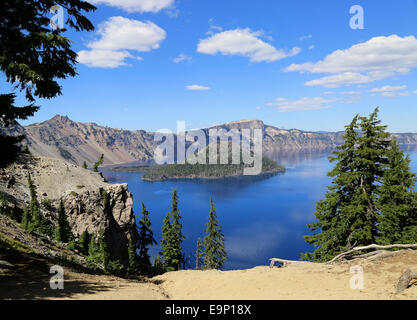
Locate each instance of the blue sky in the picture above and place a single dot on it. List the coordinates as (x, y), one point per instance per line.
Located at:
(292, 64)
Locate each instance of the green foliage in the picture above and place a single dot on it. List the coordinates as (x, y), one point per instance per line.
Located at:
(98, 163)
(133, 257)
(187, 170)
(171, 253)
(397, 201)
(33, 57)
(7, 244)
(167, 254)
(37, 222)
(63, 230)
(145, 239)
(365, 186)
(95, 258)
(71, 245)
(9, 209)
(214, 254)
(47, 204)
(114, 267)
(85, 165)
(84, 242)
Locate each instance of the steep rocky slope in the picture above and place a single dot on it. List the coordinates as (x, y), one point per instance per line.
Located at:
(91, 204)
(76, 142)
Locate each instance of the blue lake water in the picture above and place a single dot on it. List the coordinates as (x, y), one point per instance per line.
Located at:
(260, 218)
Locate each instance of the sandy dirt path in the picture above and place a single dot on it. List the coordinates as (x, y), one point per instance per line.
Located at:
(295, 281)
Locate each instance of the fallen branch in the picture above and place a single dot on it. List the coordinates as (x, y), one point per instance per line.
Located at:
(404, 280)
(372, 246)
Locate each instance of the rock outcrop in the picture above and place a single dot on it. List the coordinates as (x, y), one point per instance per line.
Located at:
(90, 203)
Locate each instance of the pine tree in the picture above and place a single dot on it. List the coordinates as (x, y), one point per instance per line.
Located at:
(33, 57)
(98, 163)
(348, 216)
(199, 252)
(63, 231)
(104, 250)
(214, 249)
(372, 150)
(38, 222)
(85, 165)
(133, 257)
(26, 218)
(167, 254)
(397, 200)
(95, 257)
(84, 242)
(177, 236)
(146, 238)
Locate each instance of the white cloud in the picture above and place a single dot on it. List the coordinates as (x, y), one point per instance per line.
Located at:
(116, 36)
(311, 47)
(196, 87)
(351, 93)
(182, 57)
(137, 5)
(388, 88)
(376, 59)
(391, 91)
(348, 78)
(243, 42)
(302, 104)
(103, 58)
(393, 94)
(415, 92)
(306, 37)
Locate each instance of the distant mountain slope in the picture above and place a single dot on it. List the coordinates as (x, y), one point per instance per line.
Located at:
(76, 142)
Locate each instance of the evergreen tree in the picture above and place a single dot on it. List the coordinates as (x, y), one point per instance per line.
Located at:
(133, 256)
(26, 218)
(146, 238)
(167, 253)
(177, 236)
(84, 242)
(104, 250)
(63, 232)
(214, 249)
(397, 201)
(348, 216)
(85, 165)
(199, 252)
(33, 57)
(95, 258)
(38, 222)
(98, 163)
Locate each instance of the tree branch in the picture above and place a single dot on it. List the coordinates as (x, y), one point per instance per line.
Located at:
(373, 246)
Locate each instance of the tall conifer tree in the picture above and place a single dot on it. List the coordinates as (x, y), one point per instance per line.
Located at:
(397, 200)
(146, 238)
(214, 249)
(348, 216)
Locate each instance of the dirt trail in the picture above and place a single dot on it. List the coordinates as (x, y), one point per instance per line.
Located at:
(296, 281)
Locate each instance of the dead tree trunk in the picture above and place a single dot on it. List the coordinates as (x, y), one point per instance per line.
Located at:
(372, 246)
(404, 280)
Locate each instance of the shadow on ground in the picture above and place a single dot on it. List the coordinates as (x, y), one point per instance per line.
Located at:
(30, 277)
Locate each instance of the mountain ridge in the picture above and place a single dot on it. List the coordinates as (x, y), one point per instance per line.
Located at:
(76, 142)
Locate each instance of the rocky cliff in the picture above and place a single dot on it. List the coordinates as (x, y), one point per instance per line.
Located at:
(76, 142)
(90, 203)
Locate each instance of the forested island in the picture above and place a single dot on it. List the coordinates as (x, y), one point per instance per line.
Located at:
(198, 171)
